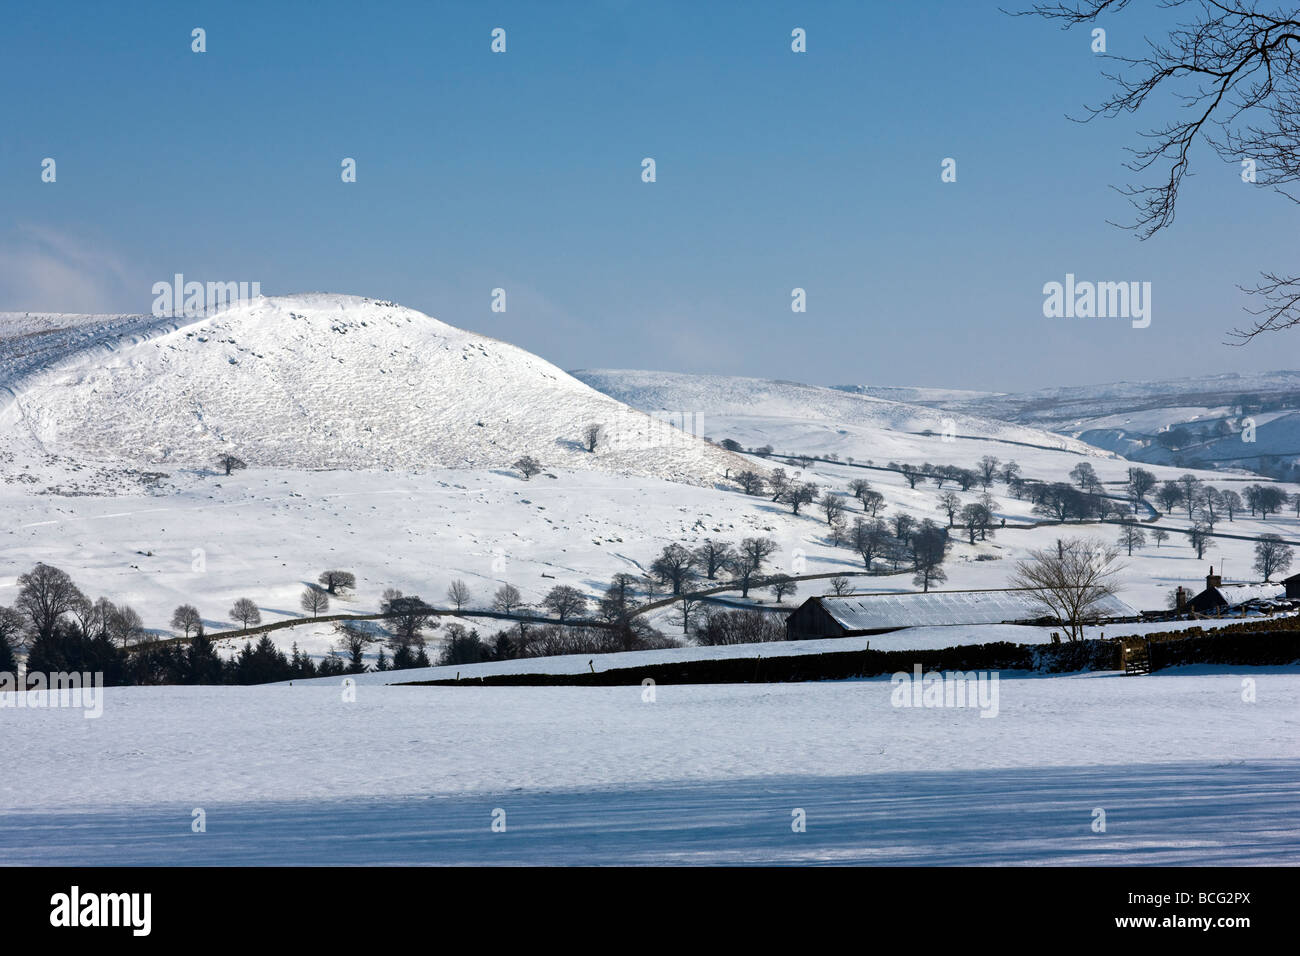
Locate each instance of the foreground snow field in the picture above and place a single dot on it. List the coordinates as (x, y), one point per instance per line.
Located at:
(1184, 768)
(1228, 814)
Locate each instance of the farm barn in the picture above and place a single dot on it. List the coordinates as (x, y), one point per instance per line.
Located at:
(1218, 597)
(820, 617)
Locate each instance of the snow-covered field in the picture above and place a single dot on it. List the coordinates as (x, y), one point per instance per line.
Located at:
(1185, 770)
(263, 534)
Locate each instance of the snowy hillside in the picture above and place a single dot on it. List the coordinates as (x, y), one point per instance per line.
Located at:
(1126, 418)
(758, 411)
(31, 341)
(323, 382)
(1276, 434)
(1075, 405)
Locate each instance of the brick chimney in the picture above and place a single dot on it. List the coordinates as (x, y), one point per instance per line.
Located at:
(1213, 580)
(1181, 596)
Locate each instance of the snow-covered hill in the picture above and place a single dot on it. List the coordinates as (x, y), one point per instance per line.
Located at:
(740, 402)
(319, 381)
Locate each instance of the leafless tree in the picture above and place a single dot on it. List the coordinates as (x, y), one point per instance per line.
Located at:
(230, 463)
(740, 627)
(528, 466)
(315, 600)
(458, 594)
(712, 556)
(565, 602)
(674, 567)
(45, 594)
(1140, 481)
(839, 529)
(1272, 556)
(978, 521)
(1198, 535)
(1131, 536)
(988, 470)
(507, 599)
(751, 482)
(777, 483)
(873, 502)
(1169, 495)
(749, 560)
(186, 619)
(619, 599)
(912, 473)
(690, 611)
(12, 624)
(245, 612)
(858, 488)
(336, 581)
(1191, 487)
(353, 641)
(1209, 499)
(799, 493)
(949, 504)
(407, 616)
(592, 436)
(869, 539)
(841, 586)
(1232, 70)
(1269, 498)
(781, 585)
(832, 507)
(1071, 582)
(125, 626)
(99, 621)
(90, 618)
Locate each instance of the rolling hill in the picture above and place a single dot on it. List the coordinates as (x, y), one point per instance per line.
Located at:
(320, 382)
(796, 417)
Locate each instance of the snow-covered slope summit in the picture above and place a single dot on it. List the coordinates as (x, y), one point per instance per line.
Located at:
(339, 382)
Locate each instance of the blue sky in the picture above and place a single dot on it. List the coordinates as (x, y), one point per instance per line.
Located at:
(522, 171)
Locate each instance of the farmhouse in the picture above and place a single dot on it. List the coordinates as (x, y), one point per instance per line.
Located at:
(1292, 586)
(1218, 597)
(878, 613)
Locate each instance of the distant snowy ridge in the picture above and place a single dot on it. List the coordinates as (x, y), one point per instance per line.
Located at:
(736, 397)
(332, 382)
(1070, 408)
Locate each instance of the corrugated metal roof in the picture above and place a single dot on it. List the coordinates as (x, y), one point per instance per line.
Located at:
(870, 611)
